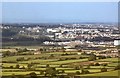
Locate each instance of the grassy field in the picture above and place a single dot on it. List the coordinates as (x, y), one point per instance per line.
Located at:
(110, 73)
(17, 73)
(68, 63)
(109, 60)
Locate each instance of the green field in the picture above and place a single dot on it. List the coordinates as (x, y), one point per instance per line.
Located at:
(60, 61)
(110, 73)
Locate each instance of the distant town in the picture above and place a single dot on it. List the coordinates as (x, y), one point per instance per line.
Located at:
(69, 45)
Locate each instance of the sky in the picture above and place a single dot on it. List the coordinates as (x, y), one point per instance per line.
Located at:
(59, 12)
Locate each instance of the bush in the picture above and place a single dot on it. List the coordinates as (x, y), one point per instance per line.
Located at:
(41, 72)
(81, 57)
(105, 64)
(91, 64)
(103, 69)
(11, 67)
(77, 72)
(47, 65)
(20, 59)
(102, 57)
(92, 57)
(23, 67)
(88, 66)
(29, 66)
(63, 71)
(17, 66)
(117, 67)
(97, 64)
(51, 71)
(60, 59)
(33, 75)
(61, 65)
(85, 71)
(77, 68)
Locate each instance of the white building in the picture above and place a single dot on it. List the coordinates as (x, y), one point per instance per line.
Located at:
(116, 42)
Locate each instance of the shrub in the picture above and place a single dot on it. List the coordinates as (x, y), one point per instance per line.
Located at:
(102, 57)
(77, 68)
(92, 57)
(63, 71)
(97, 64)
(85, 71)
(11, 67)
(117, 67)
(17, 66)
(88, 66)
(29, 66)
(105, 64)
(61, 65)
(33, 75)
(20, 59)
(77, 72)
(51, 71)
(91, 64)
(23, 67)
(103, 69)
(47, 65)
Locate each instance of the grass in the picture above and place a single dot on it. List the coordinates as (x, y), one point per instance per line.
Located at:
(98, 67)
(109, 60)
(12, 64)
(54, 62)
(44, 65)
(17, 73)
(39, 61)
(13, 58)
(11, 50)
(110, 73)
(68, 61)
(113, 64)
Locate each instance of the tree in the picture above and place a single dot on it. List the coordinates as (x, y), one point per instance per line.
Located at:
(20, 59)
(88, 66)
(92, 57)
(29, 66)
(41, 49)
(77, 68)
(13, 76)
(97, 64)
(103, 69)
(61, 65)
(63, 49)
(101, 57)
(85, 71)
(33, 75)
(41, 72)
(81, 67)
(105, 64)
(47, 65)
(77, 72)
(25, 49)
(51, 71)
(63, 71)
(6, 53)
(23, 67)
(51, 56)
(117, 67)
(61, 76)
(17, 66)
(11, 67)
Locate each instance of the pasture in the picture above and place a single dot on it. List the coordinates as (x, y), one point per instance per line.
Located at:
(69, 62)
